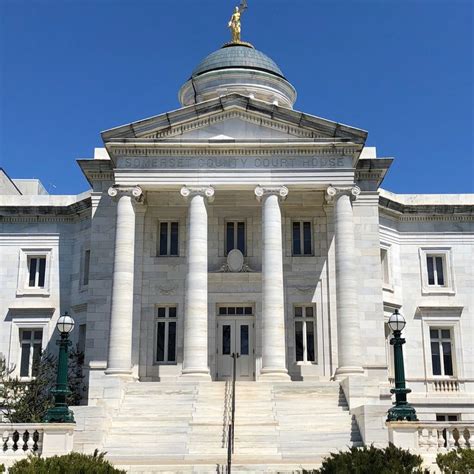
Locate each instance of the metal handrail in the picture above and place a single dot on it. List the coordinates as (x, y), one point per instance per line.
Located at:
(231, 431)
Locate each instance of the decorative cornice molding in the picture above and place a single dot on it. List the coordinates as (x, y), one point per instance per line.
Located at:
(30, 239)
(334, 192)
(205, 191)
(262, 191)
(127, 150)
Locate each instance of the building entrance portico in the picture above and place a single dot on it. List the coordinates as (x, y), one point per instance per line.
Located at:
(235, 335)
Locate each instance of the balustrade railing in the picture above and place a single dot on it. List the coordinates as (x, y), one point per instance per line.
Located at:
(441, 437)
(21, 439)
(448, 385)
(45, 439)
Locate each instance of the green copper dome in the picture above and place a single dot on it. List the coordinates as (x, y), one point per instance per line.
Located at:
(237, 56)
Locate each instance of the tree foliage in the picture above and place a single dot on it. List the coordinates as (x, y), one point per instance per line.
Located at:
(27, 401)
(370, 460)
(72, 463)
(459, 461)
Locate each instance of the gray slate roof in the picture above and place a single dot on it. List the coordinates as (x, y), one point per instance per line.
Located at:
(237, 57)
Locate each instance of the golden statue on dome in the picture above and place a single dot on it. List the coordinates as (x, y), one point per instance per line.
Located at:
(234, 22)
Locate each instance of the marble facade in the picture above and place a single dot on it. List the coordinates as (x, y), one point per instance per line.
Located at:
(236, 158)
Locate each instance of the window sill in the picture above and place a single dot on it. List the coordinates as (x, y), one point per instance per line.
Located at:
(33, 292)
(170, 259)
(442, 377)
(437, 290)
(164, 363)
(307, 363)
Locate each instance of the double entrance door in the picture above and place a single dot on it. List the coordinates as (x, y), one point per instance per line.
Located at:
(235, 335)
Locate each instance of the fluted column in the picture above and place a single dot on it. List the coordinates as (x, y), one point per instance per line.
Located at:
(195, 358)
(119, 361)
(348, 327)
(273, 301)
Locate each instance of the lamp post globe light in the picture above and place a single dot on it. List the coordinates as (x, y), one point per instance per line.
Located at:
(61, 413)
(401, 410)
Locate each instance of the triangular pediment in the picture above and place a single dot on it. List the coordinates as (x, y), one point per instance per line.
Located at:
(234, 117)
(234, 124)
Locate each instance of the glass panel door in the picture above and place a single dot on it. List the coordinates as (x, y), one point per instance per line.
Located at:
(235, 335)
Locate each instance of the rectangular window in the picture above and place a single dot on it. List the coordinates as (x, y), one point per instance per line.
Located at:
(302, 238)
(166, 334)
(305, 334)
(235, 236)
(244, 339)
(31, 346)
(443, 417)
(87, 260)
(435, 267)
(36, 271)
(168, 239)
(235, 311)
(441, 351)
(226, 336)
(385, 266)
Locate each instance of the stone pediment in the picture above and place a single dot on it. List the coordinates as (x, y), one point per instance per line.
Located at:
(233, 117)
(232, 125)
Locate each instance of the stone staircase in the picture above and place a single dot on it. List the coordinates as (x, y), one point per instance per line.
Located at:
(182, 427)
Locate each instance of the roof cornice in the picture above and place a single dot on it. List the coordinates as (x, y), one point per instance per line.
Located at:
(160, 123)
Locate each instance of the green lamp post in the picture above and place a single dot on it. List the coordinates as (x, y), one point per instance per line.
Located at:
(61, 413)
(401, 410)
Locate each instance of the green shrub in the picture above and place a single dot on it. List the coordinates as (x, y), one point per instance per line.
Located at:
(73, 463)
(2, 468)
(461, 460)
(370, 460)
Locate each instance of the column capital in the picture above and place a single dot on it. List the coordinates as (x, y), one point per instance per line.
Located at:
(262, 191)
(135, 192)
(333, 192)
(204, 191)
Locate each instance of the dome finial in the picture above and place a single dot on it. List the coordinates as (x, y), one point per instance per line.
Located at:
(234, 22)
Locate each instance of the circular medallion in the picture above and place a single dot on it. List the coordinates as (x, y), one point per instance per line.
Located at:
(235, 260)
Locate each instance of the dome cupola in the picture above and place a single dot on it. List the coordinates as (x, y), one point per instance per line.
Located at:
(237, 67)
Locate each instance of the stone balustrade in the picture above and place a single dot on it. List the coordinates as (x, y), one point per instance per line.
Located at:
(22, 439)
(431, 437)
(442, 437)
(447, 385)
(45, 439)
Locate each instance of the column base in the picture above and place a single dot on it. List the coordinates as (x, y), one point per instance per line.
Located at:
(121, 372)
(273, 373)
(343, 372)
(195, 373)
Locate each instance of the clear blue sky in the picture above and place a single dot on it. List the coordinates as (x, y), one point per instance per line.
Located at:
(401, 69)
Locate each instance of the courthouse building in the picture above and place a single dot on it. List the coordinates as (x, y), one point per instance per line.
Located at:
(237, 224)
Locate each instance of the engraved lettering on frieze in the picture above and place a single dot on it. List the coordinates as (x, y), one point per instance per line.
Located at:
(311, 162)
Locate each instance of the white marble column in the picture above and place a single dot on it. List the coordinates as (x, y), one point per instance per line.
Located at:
(119, 360)
(195, 357)
(348, 327)
(273, 301)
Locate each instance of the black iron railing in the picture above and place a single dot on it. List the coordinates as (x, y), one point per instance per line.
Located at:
(231, 429)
